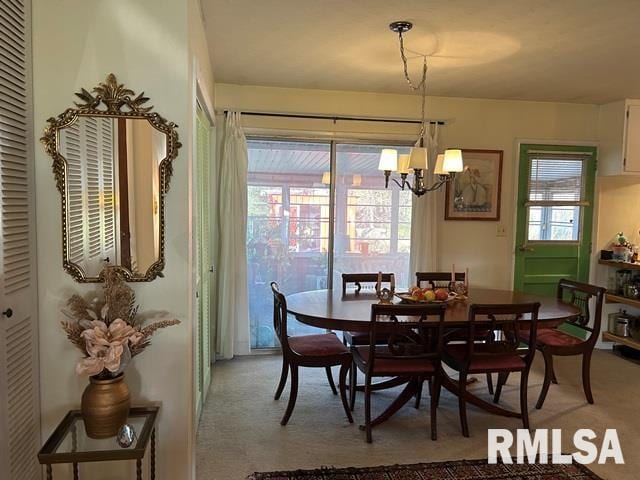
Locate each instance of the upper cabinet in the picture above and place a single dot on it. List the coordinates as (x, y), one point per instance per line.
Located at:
(619, 133)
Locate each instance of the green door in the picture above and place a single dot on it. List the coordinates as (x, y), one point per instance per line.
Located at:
(554, 216)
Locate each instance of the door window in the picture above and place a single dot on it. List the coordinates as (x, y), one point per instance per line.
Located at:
(556, 198)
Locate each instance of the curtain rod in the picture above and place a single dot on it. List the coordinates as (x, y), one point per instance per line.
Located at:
(338, 117)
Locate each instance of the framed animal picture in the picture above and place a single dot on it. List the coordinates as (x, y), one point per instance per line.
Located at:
(474, 194)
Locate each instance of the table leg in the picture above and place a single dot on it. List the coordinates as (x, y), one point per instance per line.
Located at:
(452, 385)
(76, 472)
(49, 472)
(139, 469)
(153, 454)
(407, 394)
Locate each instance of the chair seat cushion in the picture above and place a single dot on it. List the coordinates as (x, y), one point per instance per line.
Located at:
(362, 338)
(455, 355)
(394, 366)
(320, 345)
(553, 338)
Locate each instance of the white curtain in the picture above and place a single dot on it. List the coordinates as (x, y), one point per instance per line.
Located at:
(424, 221)
(233, 317)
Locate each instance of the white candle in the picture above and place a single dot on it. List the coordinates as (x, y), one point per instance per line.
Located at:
(379, 285)
(453, 272)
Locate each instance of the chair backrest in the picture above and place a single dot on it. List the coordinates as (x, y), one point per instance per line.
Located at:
(580, 295)
(359, 278)
(503, 332)
(280, 317)
(438, 279)
(411, 335)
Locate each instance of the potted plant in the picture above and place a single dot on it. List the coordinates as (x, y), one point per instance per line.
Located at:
(109, 332)
(620, 247)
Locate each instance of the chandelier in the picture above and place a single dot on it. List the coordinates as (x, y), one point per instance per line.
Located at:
(447, 164)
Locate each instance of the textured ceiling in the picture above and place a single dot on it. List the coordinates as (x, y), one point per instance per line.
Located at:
(585, 51)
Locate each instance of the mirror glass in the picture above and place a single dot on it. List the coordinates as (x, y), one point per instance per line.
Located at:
(113, 192)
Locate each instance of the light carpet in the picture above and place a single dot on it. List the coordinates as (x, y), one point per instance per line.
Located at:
(240, 433)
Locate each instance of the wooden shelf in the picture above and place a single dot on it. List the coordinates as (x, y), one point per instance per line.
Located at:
(628, 341)
(621, 265)
(611, 298)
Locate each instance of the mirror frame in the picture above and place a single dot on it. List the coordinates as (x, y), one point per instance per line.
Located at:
(114, 97)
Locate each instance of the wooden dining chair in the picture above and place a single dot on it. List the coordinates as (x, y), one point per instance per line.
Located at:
(438, 279)
(412, 350)
(554, 342)
(500, 352)
(361, 338)
(442, 280)
(320, 350)
(357, 279)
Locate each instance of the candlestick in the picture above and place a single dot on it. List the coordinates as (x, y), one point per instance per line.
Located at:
(466, 277)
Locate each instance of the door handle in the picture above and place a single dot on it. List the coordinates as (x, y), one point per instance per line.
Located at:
(8, 313)
(525, 248)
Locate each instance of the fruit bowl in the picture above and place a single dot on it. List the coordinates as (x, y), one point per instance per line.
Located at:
(408, 297)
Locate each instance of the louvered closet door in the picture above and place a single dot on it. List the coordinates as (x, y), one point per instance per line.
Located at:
(88, 147)
(19, 402)
(107, 180)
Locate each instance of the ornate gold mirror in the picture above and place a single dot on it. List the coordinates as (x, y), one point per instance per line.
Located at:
(112, 164)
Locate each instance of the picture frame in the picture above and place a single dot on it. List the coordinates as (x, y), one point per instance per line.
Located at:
(475, 193)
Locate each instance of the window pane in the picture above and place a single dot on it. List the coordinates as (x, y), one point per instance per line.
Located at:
(372, 224)
(554, 223)
(287, 227)
(558, 179)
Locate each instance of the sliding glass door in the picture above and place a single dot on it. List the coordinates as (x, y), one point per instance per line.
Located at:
(372, 224)
(292, 238)
(287, 227)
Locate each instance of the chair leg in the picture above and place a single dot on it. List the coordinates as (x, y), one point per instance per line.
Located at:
(367, 408)
(292, 395)
(586, 376)
(502, 380)
(554, 380)
(548, 372)
(330, 378)
(490, 383)
(353, 381)
(435, 391)
(283, 379)
(344, 369)
(524, 408)
(419, 393)
(462, 404)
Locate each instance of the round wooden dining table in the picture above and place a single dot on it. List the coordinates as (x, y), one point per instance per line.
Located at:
(330, 310)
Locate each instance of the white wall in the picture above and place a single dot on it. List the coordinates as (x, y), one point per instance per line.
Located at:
(472, 123)
(146, 44)
(617, 212)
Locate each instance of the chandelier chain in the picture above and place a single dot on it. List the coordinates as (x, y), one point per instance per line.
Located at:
(422, 86)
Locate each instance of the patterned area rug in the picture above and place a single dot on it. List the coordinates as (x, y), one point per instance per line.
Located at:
(456, 470)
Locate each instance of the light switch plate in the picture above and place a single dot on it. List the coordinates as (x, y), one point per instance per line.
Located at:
(501, 231)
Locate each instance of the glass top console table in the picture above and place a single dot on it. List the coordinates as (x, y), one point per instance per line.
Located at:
(69, 443)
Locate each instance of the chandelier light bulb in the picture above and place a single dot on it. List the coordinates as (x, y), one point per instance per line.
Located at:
(439, 168)
(388, 160)
(418, 158)
(453, 160)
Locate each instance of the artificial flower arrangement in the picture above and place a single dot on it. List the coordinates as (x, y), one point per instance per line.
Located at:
(108, 330)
